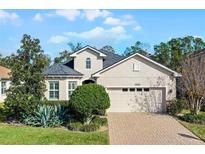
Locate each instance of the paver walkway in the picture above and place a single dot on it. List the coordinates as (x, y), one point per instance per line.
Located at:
(147, 128)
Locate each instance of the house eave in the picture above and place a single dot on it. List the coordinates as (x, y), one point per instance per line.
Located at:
(63, 76)
(87, 47)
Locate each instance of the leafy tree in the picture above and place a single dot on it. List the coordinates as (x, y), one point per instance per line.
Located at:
(75, 47)
(108, 48)
(47, 60)
(171, 53)
(138, 47)
(162, 54)
(198, 44)
(176, 54)
(65, 55)
(193, 84)
(27, 81)
(6, 61)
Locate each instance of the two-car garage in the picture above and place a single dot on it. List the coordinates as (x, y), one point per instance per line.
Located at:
(137, 99)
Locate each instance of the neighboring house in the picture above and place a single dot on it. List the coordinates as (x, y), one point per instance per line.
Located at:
(4, 82)
(134, 84)
(199, 56)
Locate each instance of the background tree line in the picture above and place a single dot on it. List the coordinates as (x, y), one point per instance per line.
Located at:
(168, 53)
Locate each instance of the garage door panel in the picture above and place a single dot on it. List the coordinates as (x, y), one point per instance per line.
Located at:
(137, 101)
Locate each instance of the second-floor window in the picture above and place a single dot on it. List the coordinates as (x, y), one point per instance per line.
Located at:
(88, 63)
(3, 87)
(53, 90)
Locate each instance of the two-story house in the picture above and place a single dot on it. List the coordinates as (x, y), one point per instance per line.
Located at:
(134, 84)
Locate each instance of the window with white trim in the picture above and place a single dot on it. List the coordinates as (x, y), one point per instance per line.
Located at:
(72, 85)
(146, 89)
(3, 87)
(53, 90)
(136, 67)
(124, 89)
(88, 63)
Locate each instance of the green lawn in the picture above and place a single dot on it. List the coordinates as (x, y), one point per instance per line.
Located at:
(10, 134)
(197, 129)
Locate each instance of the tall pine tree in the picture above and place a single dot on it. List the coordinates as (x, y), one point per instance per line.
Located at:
(27, 81)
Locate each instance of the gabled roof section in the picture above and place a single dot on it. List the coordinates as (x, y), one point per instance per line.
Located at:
(110, 58)
(69, 63)
(4, 72)
(97, 74)
(88, 47)
(61, 69)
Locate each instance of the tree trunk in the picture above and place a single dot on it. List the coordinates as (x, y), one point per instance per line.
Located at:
(196, 106)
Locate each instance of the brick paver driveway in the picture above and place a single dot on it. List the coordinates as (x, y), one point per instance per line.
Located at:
(147, 128)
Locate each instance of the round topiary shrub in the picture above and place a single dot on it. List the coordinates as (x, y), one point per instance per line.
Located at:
(87, 99)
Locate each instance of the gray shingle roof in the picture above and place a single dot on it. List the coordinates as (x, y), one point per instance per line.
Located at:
(61, 69)
(67, 68)
(110, 58)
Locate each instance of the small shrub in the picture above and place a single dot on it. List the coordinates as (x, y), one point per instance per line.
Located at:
(2, 112)
(100, 121)
(21, 103)
(176, 106)
(87, 99)
(45, 116)
(198, 119)
(78, 126)
(203, 105)
(89, 127)
(74, 126)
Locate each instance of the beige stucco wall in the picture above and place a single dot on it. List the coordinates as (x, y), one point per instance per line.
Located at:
(149, 75)
(63, 86)
(80, 63)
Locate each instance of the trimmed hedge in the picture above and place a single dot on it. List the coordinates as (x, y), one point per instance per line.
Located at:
(89, 99)
(197, 119)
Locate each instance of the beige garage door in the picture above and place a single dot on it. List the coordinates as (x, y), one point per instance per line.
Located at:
(137, 99)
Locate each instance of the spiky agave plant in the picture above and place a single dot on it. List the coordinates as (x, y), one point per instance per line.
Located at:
(45, 116)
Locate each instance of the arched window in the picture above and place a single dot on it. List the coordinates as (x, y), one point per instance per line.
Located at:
(88, 63)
